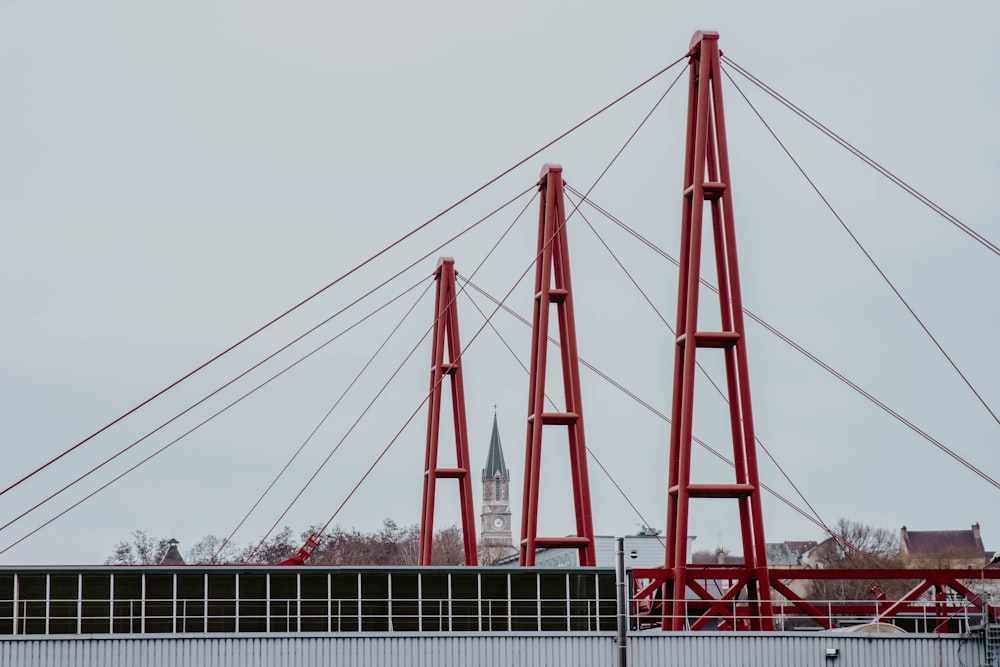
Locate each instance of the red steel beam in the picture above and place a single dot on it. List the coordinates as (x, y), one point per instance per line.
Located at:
(446, 363)
(553, 288)
(707, 185)
(699, 612)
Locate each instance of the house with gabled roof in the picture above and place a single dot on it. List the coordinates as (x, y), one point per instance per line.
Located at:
(943, 548)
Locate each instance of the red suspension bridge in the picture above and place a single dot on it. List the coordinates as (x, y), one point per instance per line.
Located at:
(708, 233)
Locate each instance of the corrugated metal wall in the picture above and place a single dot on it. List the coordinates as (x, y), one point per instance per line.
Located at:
(495, 650)
(500, 650)
(802, 650)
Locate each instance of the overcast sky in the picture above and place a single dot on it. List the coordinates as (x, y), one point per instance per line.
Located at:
(174, 175)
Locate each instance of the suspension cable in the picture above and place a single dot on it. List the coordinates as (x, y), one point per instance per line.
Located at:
(195, 427)
(590, 189)
(865, 252)
(322, 421)
(555, 408)
(279, 351)
(345, 275)
(375, 398)
(336, 447)
(718, 389)
(704, 445)
(906, 187)
(806, 353)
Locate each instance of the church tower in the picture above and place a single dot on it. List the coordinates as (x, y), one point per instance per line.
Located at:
(496, 537)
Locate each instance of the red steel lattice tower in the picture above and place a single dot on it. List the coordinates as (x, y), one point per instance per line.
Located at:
(446, 341)
(553, 288)
(706, 182)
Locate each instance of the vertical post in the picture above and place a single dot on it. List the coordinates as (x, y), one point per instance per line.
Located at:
(173, 605)
(707, 184)
(388, 602)
(48, 601)
(451, 620)
(538, 602)
(17, 585)
(553, 287)
(237, 603)
(568, 605)
(360, 606)
(111, 614)
(941, 607)
(420, 602)
(510, 603)
(622, 638)
(79, 604)
(443, 366)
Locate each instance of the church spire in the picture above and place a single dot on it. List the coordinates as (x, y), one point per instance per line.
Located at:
(494, 459)
(496, 539)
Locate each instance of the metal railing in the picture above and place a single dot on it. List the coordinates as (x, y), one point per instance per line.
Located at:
(284, 600)
(921, 615)
(141, 600)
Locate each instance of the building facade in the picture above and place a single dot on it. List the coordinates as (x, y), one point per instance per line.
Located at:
(496, 536)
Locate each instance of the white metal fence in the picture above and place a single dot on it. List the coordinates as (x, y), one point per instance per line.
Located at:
(59, 601)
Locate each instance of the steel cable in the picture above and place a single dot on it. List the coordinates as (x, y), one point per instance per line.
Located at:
(867, 255)
(806, 353)
(340, 278)
(906, 187)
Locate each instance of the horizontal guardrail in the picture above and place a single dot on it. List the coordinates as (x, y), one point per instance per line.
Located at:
(308, 599)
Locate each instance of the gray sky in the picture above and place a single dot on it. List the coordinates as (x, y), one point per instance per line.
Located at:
(174, 175)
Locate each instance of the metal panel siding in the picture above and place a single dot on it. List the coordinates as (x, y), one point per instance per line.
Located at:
(798, 650)
(494, 650)
(369, 650)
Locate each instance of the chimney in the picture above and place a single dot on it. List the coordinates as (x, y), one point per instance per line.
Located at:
(979, 539)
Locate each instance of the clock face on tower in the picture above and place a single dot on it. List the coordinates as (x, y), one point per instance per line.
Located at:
(498, 522)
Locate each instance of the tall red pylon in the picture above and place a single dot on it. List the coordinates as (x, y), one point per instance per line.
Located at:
(553, 288)
(446, 362)
(706, 180)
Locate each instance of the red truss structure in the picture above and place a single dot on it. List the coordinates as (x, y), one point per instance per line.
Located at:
(553, 288)
(944, 595)
(446, 362)
(739, 597)
(706, 181)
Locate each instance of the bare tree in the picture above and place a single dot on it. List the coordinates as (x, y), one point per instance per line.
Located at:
(140, 550)
(391, 544)
(448, 547)
(491, 554)
(272, 551)
(203, 553)
(873, 548)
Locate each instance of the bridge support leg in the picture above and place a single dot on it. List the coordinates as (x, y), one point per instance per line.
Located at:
(447, 366)
(707, 187)
(553, 288)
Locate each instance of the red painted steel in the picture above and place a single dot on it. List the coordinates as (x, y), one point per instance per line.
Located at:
(303, 554)
(553, 288)
(707, 180)
(443, 366)
(705, 608)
